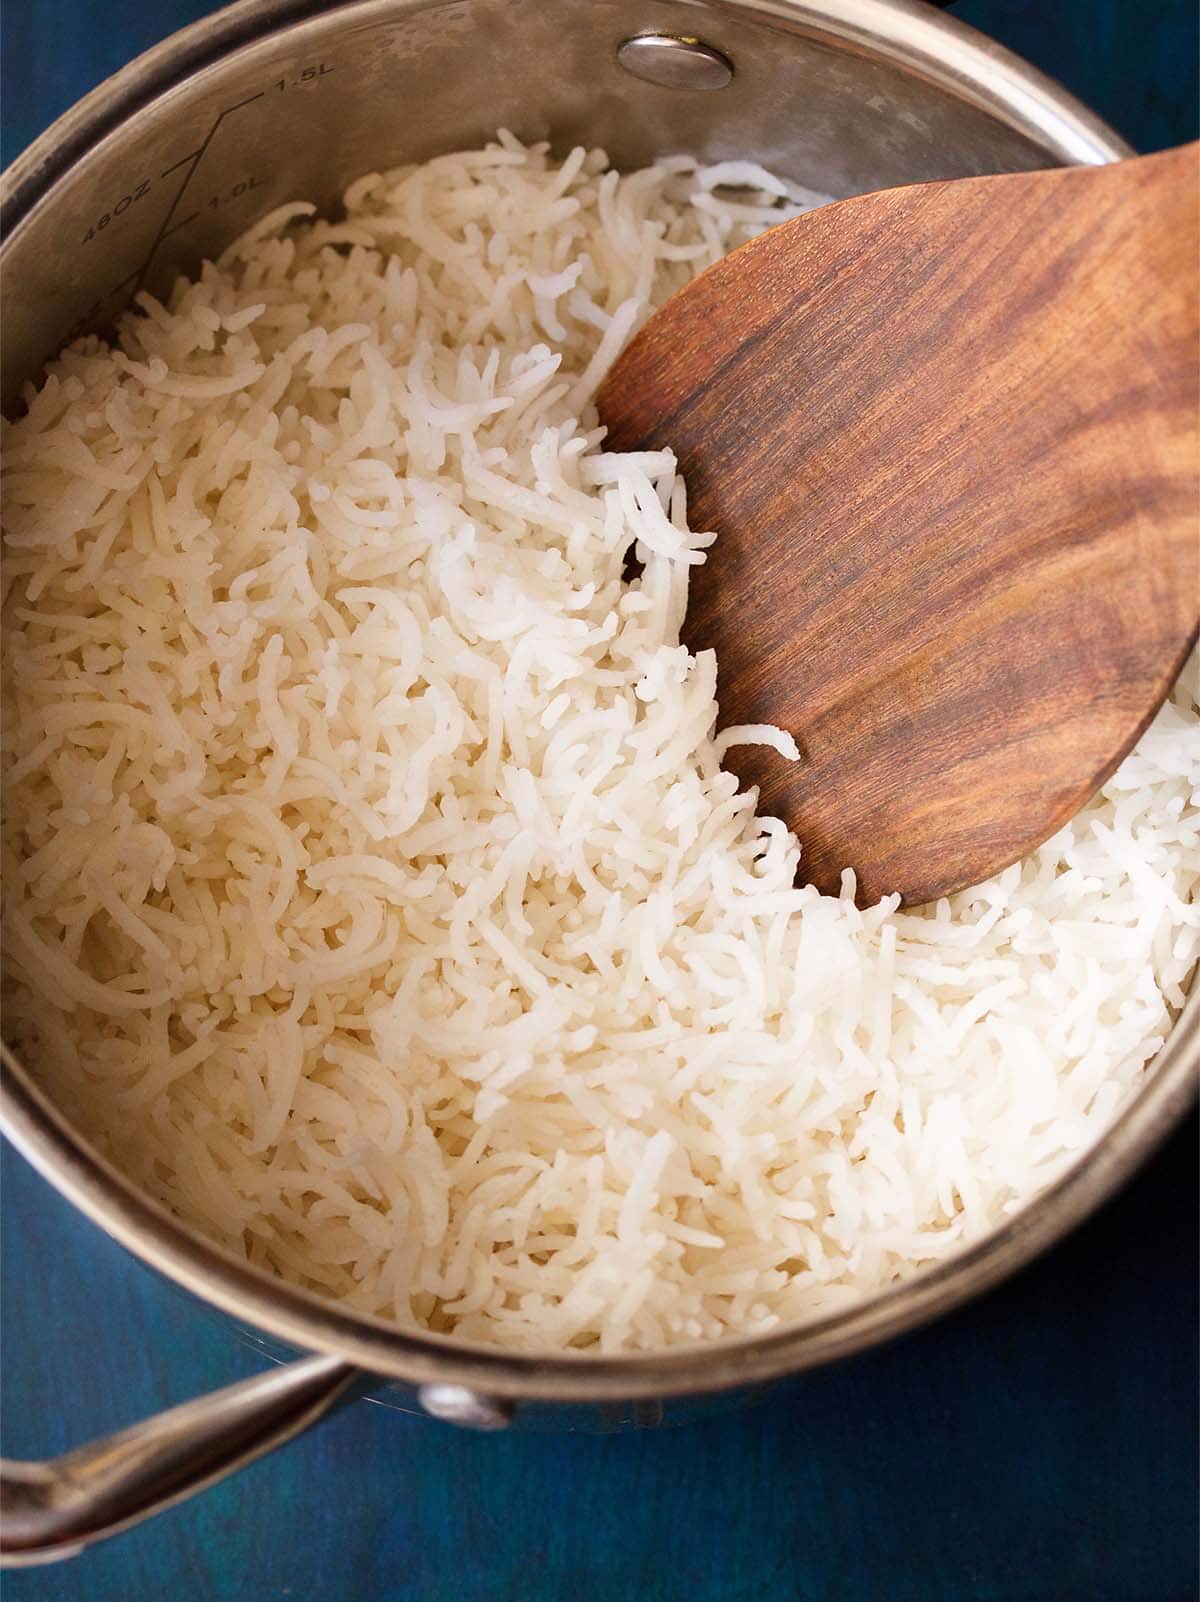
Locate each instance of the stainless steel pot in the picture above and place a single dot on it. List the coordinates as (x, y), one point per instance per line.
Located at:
(271, 101)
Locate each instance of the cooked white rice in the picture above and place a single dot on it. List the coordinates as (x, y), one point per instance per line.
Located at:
(375, 896)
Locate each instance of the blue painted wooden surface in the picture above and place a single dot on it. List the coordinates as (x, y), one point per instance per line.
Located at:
(1039, 1446)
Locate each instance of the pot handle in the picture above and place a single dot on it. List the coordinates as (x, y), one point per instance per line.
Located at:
(54, 1509)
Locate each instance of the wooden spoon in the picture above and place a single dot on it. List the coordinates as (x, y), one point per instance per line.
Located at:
(948, 437)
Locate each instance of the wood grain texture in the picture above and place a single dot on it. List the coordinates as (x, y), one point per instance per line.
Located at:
(948, 437)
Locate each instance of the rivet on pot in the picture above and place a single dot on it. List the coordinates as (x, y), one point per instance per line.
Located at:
(471, 1410)
(675, 61)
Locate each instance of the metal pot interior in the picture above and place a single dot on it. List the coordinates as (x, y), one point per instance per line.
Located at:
(166, 163)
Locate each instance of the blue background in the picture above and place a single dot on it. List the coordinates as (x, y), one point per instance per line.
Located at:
(1039, 1446)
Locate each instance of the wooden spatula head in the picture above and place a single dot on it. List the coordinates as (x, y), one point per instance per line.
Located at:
(949, 439)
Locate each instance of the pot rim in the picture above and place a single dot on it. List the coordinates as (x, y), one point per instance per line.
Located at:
(307, 1321)
(913, 33)
(966, 64)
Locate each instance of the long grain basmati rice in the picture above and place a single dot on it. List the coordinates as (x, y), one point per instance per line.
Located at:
(375, 896)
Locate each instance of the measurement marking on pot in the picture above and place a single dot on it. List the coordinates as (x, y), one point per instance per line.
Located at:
(117, 209)
(192, 155)
(175, 227)
(189, 164)
(307, 75)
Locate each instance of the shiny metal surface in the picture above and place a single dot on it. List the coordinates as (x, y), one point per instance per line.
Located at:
(673, 63)
(56, 1509)
(458, 1404)
(265, 102)
(281, 99)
